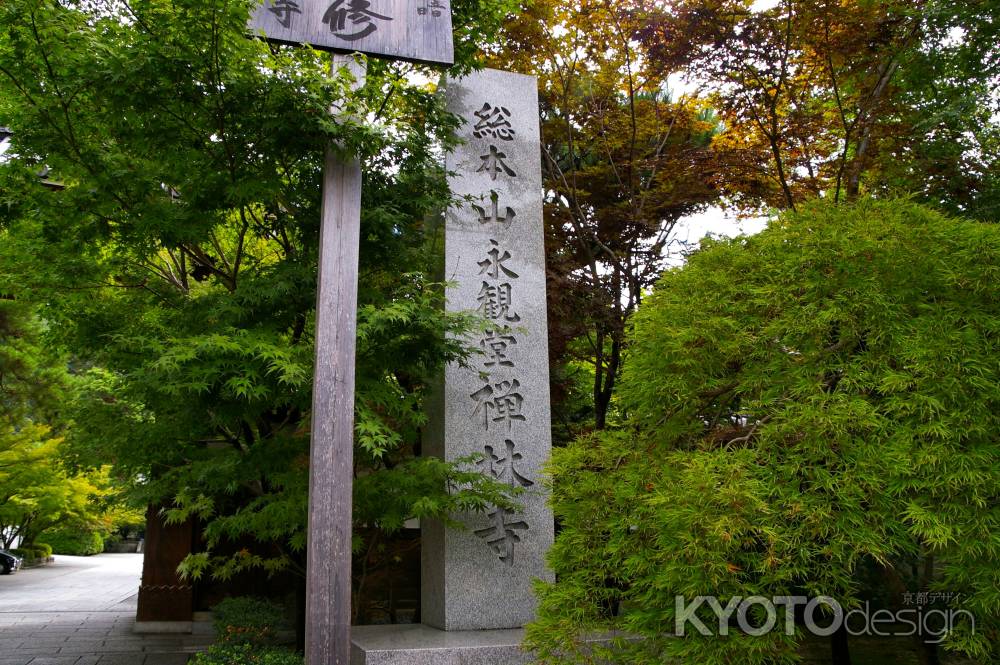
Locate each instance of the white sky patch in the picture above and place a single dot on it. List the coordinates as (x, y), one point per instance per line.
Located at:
(683, 85)
(716, 222)
(419, 79)
(4, 145)
(956, 37)
(764, 5)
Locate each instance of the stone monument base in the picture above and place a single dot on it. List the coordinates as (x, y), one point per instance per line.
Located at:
(416, 644)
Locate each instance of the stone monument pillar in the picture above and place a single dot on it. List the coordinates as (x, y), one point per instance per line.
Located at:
(476, 583)
(480, 578)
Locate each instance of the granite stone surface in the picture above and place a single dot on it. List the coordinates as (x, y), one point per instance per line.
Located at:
(423, 645)
(498, 407)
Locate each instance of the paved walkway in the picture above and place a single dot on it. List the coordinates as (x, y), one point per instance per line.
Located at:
(80, 611)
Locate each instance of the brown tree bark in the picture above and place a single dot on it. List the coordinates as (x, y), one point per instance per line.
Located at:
(840, 649)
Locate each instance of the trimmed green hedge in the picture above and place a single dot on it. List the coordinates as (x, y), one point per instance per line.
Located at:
(74, 542)
(33, 551)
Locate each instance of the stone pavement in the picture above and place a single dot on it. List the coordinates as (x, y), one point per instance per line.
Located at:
(80, 611)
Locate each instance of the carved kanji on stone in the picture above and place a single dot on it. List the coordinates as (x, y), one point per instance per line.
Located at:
(493, 214)
(504, 469)
(502, 535)
(493, 163)
(495, 346)
(499, 402)
(494, 122)
(495, 405)
(493, 264)
(495, 302)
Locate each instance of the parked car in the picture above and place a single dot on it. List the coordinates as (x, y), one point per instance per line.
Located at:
(9, 561)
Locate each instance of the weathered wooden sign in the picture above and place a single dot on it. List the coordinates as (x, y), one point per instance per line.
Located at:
(415, 30)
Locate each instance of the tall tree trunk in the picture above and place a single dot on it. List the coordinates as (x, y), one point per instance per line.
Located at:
(605, 380)
(927, 653)
(782, 176)
(600, 411)
(600, 404)
(886, 72)
(607, 374)
(853, 189)
(840, 650)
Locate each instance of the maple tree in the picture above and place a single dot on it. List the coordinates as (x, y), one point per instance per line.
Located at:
(176, 264)
(623, 159)
(803, 405)
(785, 104)
(37, 489)
(834, 99)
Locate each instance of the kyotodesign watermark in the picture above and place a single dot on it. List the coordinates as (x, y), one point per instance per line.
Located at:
(821, 616)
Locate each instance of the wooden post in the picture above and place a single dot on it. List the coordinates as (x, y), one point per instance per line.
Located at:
(331, 467)
(395, 29)
(165, 602)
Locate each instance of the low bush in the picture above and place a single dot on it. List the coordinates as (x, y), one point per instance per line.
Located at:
(248, 620)
(74, 542)
(33, 551)
(247, 654)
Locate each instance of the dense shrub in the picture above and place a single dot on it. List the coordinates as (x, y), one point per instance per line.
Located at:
(247, 654)
(247, 619)
(74, 542)
(39, 550)
(803, 405)
(33, 551)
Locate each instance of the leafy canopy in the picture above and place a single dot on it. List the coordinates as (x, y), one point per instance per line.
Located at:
(836, 98)
(623, 160)
(177, 264)
(800, 403)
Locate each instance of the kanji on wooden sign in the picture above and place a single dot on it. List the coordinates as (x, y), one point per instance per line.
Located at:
(415, 30)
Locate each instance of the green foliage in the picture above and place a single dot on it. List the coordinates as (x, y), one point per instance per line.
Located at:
(623, 161)
(33, 551)
(36, 490)
(75, 542)
(31, 379)
(38, 493)
(842, 98)
(248, 620)
(949, 86)
(177, 266)
(246, 654)
(817, 397)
